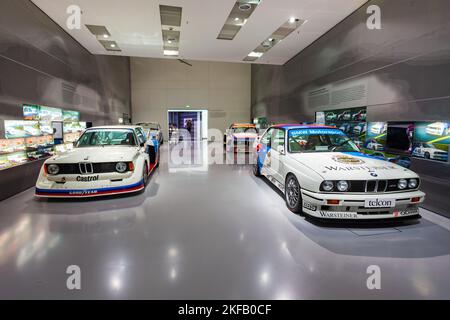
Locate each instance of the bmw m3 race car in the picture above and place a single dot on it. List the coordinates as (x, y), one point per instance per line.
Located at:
(240, 137)
(105, 161)
(322, 173)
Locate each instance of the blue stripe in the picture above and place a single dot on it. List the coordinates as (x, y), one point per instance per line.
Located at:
(362, 155)
(91, 190)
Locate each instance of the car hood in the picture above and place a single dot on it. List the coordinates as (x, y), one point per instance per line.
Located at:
(245, 135)
(351, 166)
(96, 154)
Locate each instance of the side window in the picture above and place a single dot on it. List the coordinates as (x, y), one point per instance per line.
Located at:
(140, 135)
(266, 138)
(277, 138)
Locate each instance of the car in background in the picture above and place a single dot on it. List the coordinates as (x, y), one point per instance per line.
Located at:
(240, 137)
(374, 145)
(152, 130)
(428, 151)
(321, 173)
(378, 128)
(360, 115)
(344, 116)
(104, 161)
(437, 129)
(330, 116)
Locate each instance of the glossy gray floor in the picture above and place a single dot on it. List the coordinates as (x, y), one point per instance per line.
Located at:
(210, 232)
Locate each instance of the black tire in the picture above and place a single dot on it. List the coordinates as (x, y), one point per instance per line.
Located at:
(159, 158)
(427, 155)
(293, 194)
(145, 174)
(256, 171)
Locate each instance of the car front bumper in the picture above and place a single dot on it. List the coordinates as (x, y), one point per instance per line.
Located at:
(352, 206)
(107, 184)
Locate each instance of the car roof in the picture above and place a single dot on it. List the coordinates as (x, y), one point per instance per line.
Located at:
(243, 125)
(146, 123)
(302, 126)
(115, 127)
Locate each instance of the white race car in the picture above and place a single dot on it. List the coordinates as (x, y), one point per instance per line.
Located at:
(322, 173)
(240, 137)
(428, 151)
(105, 161)
(437, 129)
(374, 145)
(152, 130)
(378, 128)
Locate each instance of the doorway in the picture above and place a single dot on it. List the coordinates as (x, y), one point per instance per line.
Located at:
(191, 125)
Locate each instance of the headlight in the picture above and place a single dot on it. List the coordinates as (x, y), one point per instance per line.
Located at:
(121, 167)
(342, 185)
(412, 183)
(327, 185)
(402, 184)
(53, 169)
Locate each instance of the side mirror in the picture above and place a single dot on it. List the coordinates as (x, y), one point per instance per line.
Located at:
(142, 144)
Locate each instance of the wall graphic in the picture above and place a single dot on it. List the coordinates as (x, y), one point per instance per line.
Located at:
(431, 140)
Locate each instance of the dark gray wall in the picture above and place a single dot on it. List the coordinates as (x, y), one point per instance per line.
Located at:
(41, 64)
(405, 66)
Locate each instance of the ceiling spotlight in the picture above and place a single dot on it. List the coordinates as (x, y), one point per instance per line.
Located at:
(292, 20)
(113, 45)
(105, 36)
(254, 54)
(236, 19)
(169, 41)
(270, 39)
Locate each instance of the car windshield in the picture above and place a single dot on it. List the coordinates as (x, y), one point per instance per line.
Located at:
(319, 140)
(244, 129)
(108, 137)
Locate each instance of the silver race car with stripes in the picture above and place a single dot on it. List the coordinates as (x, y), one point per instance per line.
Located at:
(323, 174)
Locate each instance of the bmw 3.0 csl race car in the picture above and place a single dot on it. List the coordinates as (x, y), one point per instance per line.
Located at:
(105, 161)
(322, 173)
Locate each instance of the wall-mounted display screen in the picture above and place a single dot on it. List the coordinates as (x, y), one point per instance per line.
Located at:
(31, 112)
(431, 140)
(69, 115)
(50, 114)
(70, 127)
(32, 128)
(14, 129)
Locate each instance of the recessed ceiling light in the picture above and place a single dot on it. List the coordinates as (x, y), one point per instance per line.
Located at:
(236, 19)
(113, 45)
(170, 52)
(105, 36)
(292, 20)
(169, 41)
(270, 39)
(188, 106)
(255, 54)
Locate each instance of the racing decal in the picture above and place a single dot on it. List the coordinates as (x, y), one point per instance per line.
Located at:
(338, 215)
(347, 159)
(309, 206)
(90, 192)
(407, 212)
(364, 168)
(314, 131)
(87, 179)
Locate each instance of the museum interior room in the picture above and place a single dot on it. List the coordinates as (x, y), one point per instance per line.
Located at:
(224, 150)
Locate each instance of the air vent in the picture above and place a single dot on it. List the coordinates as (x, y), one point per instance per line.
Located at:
(171, 28)
(282, 32)
(238, 17)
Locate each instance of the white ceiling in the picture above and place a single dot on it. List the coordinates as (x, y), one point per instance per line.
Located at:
(135, 26)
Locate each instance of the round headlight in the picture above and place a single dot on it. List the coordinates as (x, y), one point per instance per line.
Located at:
(53, 169)
(342, 185)
(327, 185)
(412, 183)
(121, 167)
(402, 184)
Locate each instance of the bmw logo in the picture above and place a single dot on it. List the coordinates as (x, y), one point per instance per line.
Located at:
(373, 174)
